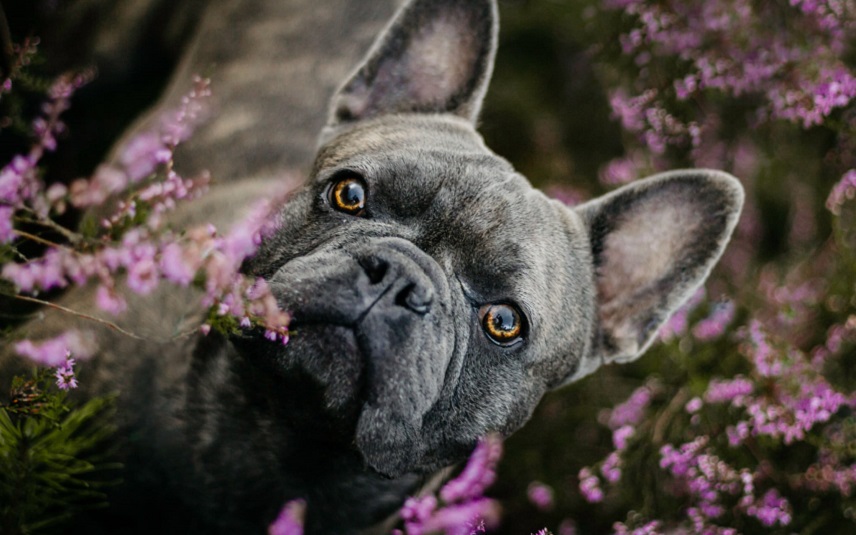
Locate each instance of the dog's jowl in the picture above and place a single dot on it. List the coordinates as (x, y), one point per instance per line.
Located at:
(435, 295)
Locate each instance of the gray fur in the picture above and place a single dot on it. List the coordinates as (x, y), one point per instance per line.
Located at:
(389, 376)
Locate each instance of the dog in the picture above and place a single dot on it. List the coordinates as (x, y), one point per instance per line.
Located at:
(435, 295)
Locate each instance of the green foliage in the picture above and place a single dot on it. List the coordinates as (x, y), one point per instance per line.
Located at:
(53, 461)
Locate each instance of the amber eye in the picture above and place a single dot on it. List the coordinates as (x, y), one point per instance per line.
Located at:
(349, 195)
(502, 323)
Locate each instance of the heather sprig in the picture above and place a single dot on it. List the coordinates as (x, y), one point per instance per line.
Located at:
(785, 401)
(136, 247)
(460, 507)
(679, 65)
(290, 519)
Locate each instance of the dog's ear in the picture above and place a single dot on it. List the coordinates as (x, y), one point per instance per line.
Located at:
(435, 57)
(653, 243)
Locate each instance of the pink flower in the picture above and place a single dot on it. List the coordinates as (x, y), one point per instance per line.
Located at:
(714, 325)
(174, 266)
(630, 412)
(611, 468)
(478, 474)
(108, 300)
(540, 495)
(590, 486)
(731, 390)
(65, 378)
(54, 352)
(694, 405)
(772, 509)
(143, 276)
(621, 435)
(290, 519)
(843, 191)
(7, 233)
(141, 156)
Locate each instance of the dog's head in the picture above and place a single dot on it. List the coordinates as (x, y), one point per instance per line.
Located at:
(436, 295)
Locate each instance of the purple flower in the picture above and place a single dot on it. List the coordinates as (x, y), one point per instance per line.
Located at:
(772, 509)
(141, 156)
(621, 435)
(714, 325)
(694, 405)
(65, 378)
(728, 390)
(7, 232)
(611, 468)
(844, 190)
(418, 510)
(53, 352)
(590, 486)
(651, 528)
(14, 179)
(466, 518)
(290, 519)
(677, 323)
(567, 527)
(478, 474)
(540, 495)
(619, 171)
(143, 275)
(174, 266)
(178, 125)
(630, 412)
(464, 511)
(108, 300)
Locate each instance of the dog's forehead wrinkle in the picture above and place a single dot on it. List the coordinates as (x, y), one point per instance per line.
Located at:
(405, 131)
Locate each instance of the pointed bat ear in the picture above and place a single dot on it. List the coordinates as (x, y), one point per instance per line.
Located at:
(435, 57)
(654, 243)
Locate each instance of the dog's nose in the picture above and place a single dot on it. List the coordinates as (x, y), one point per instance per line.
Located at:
(375, 268)
(416, 298)
(411, 295)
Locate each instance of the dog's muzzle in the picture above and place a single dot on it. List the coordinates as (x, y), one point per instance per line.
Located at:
(395, 299)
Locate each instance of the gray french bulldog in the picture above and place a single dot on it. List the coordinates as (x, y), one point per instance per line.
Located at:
(436, 296)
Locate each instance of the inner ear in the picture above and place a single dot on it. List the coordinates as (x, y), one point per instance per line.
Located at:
(435, 57)
(653, 243)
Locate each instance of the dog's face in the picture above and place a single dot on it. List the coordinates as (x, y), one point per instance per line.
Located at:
(436, 295)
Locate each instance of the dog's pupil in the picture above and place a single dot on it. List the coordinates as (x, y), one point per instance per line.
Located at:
(350, 194)
(502, 322)
(503, 319)
(353, 194)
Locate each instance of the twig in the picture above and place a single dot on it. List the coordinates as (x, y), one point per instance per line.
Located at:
(106, 323)
(38, 239)
(72, 237)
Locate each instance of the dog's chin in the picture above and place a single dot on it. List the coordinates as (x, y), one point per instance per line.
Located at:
(330, 355)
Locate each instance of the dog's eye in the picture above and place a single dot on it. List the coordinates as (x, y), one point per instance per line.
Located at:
(349, 195)
(502, 323)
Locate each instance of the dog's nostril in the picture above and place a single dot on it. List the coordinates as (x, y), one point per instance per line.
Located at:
(375, 268)
(415, 299)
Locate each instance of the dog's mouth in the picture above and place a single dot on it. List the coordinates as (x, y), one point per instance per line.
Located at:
(350, 360)
(328, 351)
(372, 328)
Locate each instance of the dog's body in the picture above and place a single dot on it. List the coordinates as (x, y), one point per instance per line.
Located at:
(441, 310)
